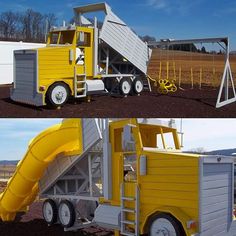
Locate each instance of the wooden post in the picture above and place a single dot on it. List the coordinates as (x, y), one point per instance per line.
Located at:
(160, 70)
(192, 77)
(174, 67)
(200, 80)
(167, 70)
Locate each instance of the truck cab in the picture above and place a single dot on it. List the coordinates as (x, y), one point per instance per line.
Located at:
(64, 68)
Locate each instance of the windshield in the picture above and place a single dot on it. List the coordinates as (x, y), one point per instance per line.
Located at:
(61, 38)
(159, 137)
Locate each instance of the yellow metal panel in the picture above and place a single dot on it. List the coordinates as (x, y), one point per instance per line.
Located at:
(174, 171)
(186, 187)
(169, 179)
(169, 202)
(182, 195)
(174, 163)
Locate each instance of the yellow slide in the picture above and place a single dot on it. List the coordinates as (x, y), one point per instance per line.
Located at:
(22, 188)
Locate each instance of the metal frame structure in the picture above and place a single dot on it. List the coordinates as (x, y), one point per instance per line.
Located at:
(227, 77)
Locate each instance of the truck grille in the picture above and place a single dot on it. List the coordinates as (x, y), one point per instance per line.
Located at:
(25, 78)
(216, 199)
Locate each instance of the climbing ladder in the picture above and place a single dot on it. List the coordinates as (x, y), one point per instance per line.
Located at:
(124, 211)
(80, 87)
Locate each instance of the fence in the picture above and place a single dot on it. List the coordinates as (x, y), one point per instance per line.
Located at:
(6, 171)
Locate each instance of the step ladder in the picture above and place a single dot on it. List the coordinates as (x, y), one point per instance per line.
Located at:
(80, 87)
(146, 84)
(124, 211)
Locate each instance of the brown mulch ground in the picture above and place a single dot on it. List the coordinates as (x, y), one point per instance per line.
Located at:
(183, 104)
(32, 223)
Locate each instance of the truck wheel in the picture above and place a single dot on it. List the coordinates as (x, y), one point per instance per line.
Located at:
(50, 211)
(57, 94)
(125, 86)
(138, 86)
(66, 214)
(110, 84)
(165, 224)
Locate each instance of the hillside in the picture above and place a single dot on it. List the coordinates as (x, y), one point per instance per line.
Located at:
(225, 152)
(5, 162)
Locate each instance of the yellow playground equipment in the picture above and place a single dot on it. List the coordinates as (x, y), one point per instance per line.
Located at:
(167, 85)
(81, 60)
(23, 186)
(128, 175)
(198, 71)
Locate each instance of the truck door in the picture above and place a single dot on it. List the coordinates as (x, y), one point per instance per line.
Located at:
(84, 52)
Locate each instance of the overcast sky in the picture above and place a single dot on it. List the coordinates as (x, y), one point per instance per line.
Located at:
(210, 134)
(179, 19)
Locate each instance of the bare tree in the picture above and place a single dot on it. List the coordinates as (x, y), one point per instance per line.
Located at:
(8, 24)
(28, 26)
(26, 20)
(37, 26)
(199, 150)
(51, 20)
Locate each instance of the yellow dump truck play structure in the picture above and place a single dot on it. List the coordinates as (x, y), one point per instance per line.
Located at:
(82, 59)
(123, 175)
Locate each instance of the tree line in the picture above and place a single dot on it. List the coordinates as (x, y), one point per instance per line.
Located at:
(28, 26)
(32, 26)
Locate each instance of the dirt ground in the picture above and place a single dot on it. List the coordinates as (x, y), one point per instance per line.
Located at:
(182, 104)
(32, 223)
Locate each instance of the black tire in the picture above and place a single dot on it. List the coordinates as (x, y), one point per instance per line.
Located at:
(54, 212)
(110, 84)
(125, 86)
(174, 222)
(51, 98)
(72, 214)
(136, 86)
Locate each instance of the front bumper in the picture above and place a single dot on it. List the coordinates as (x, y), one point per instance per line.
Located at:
(35, 99)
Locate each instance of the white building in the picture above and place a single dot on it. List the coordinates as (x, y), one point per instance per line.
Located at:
(6, 58)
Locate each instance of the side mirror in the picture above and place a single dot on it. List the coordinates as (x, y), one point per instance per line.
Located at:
(143, 165)
(81, 37)
(71, 55)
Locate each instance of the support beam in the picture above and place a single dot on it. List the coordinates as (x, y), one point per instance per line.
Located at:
(227, 83)
(90, 175)
(169, 42)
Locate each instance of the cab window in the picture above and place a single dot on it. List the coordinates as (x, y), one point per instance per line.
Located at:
(157, 137)
(62, 38)
(130, 168)
(83, 39)
(54, 38)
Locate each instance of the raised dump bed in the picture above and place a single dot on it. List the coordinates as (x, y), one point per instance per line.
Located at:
(91, 136)
(119, 36)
